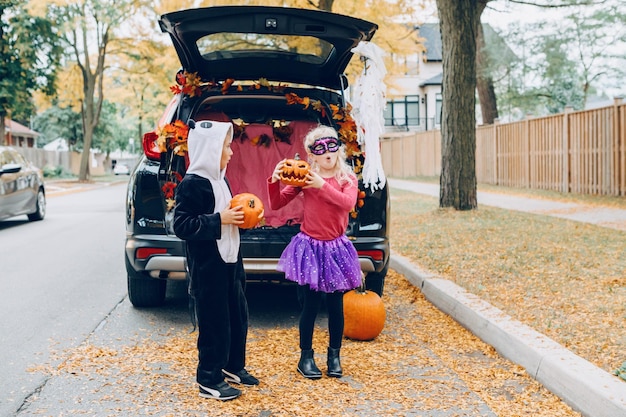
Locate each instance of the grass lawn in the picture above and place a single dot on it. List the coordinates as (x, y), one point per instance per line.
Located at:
(563, 278)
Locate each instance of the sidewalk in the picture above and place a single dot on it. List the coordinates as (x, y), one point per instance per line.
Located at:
(56, 187)
(602, 216)
(587, 388)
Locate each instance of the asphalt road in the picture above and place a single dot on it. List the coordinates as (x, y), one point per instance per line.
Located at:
(60, 278)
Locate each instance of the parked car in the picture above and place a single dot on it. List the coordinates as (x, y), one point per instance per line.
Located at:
(121, 169)
(274, 73)
(22, 188)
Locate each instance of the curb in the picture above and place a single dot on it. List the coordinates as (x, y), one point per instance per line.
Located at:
(586, 388)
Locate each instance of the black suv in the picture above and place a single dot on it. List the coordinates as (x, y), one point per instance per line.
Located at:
(274, 73)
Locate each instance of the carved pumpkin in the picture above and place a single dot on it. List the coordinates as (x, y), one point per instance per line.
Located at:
(294, 172)
(252, 209)
(363, 313)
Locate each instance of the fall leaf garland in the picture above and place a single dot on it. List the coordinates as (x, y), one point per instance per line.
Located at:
(174, 135)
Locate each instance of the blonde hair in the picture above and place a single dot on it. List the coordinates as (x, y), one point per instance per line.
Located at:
(343, 171)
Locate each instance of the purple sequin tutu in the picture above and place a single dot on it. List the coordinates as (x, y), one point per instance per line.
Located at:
(324, 265)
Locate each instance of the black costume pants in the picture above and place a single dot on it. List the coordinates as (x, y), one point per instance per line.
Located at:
(311, 301)
(222, 314)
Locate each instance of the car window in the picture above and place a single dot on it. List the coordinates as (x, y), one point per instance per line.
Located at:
(220, 46)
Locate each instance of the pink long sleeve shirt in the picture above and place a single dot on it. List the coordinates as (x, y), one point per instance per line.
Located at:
(326, 209)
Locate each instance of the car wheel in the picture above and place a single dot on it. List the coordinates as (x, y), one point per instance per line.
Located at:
(144, 291)
(375, 281)
(40, 208)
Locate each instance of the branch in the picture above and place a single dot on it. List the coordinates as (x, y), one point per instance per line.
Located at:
(549, 4)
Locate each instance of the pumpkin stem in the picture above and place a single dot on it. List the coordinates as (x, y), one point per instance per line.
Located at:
(251, 203)
(297, 157)
(361, 288)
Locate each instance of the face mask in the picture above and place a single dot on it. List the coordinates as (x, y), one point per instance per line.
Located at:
(323, 145)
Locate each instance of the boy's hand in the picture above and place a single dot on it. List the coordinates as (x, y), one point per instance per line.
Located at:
(232, 215)
(277, 170)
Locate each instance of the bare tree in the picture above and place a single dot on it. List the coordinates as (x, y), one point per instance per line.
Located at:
(87, 29)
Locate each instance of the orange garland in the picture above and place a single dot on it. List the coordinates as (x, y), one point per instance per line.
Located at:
(174, 135)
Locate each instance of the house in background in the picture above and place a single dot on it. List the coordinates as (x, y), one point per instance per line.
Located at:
(19, 135)
(415, 98)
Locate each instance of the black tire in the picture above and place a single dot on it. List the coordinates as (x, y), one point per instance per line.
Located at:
(375, 281)
(40, 208)
(144, 291)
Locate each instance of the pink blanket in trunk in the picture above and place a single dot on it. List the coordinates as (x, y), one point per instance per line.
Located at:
(251, 165)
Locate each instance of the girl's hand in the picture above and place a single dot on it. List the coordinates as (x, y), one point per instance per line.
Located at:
(314, 180)
(232, 215)
(277, 170)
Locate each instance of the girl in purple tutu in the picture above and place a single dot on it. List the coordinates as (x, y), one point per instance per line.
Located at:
(320, 258)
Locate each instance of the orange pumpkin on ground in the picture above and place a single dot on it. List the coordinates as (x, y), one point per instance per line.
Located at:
(294, 172)
(363, 313)
(252, 209)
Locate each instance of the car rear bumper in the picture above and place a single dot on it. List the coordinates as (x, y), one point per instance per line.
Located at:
(171, 263)
(160, 256)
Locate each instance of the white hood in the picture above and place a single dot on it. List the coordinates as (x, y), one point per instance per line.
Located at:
(205, 144)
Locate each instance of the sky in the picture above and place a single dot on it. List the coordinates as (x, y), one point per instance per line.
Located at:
(500, 14)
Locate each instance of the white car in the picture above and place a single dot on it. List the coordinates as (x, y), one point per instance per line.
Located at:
(121, 169)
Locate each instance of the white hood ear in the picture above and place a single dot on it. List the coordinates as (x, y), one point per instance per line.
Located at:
(205, 142)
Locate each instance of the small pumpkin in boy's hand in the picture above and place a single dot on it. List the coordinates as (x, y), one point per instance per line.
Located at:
(252, 209)
(294, 172)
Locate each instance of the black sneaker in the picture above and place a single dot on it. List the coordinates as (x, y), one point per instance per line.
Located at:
(242, 377)
(220, 391)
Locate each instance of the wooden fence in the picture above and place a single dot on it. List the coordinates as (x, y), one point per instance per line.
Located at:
(580, 152)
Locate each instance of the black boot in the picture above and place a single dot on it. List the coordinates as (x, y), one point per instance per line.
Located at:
(307, 366)
(334, 365)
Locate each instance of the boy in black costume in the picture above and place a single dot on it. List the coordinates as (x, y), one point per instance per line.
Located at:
(204, 220)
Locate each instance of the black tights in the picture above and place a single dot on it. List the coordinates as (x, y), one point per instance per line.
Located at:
(311, 301)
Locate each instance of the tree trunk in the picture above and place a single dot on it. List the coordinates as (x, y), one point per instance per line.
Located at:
(458, 21)
(484, 82)
(3, 138)
(93, 98)
(88, 114)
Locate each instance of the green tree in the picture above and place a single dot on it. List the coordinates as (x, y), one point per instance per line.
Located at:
(29, 53)
(562, 62)
(591, 39)
(57, 122)
(63, 122)
(559, 81)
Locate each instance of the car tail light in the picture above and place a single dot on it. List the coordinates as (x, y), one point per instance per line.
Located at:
(150, 146)
(376, 255)
(143, 253)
